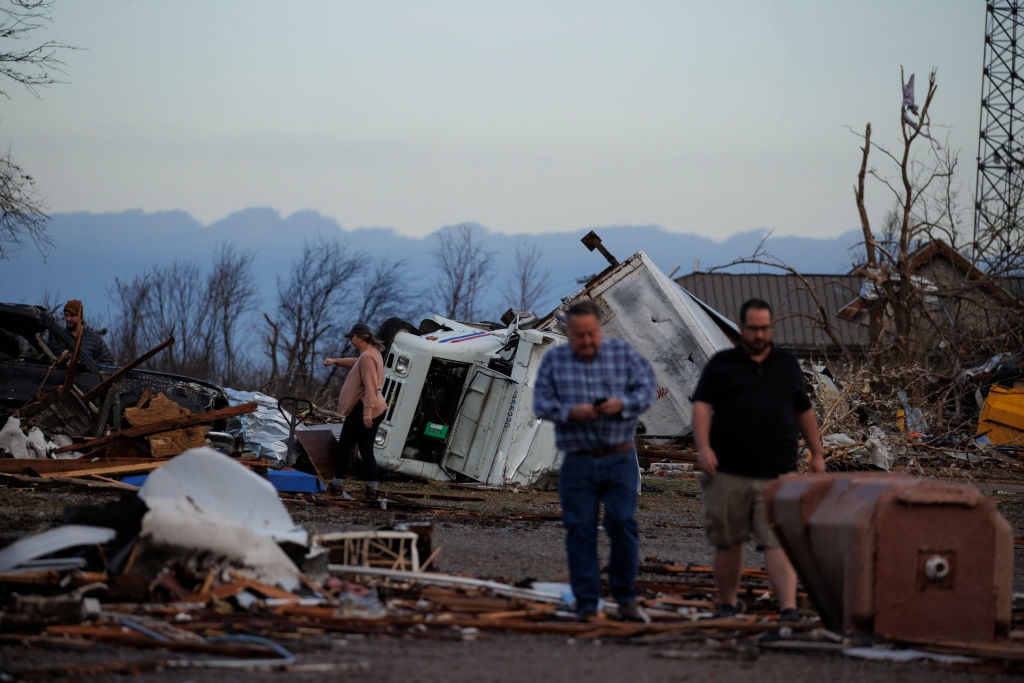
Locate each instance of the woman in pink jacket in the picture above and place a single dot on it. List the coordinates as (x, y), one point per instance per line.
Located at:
(362, 404)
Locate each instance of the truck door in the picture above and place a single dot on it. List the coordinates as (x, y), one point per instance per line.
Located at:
(483, 417)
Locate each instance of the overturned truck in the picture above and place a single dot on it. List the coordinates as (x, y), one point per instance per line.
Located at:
(460, 396)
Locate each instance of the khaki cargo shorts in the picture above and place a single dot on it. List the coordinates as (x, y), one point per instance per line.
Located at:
(734, 509)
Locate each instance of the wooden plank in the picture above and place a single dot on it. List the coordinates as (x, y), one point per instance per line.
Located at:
(102, 386)
(145, 430)
(208, 581)
(226, 590)
(114, 482)
(169, 444)
(146, 394)
(109, 469)
(66, 480)
(69, 375)
(72, 466)
(1003, 649)
(537, 611)
(265, 588)
(130, 562)
(678, 602)
(118, 635)
(160, 408)
(751, 572)
(49, 577)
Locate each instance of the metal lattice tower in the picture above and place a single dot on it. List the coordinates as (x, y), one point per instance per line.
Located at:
(1001, 140)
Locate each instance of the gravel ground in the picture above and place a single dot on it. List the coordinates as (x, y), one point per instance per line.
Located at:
(496, 538)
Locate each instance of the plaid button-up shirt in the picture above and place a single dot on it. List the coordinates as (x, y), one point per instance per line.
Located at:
(564, 379)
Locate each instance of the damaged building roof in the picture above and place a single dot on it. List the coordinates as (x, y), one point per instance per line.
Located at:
(794, 307)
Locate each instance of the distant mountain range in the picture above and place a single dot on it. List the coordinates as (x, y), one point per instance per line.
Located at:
(94, 248)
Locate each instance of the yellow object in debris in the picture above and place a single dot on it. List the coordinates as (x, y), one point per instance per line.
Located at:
(1002, 416)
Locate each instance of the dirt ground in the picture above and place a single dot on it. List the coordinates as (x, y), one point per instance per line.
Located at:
(509, 536)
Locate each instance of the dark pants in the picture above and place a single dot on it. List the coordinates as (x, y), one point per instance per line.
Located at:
(583, 484)
(355, 433)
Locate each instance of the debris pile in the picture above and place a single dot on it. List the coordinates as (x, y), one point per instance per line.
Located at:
(69, 417)
(909, 420)
(200, 579)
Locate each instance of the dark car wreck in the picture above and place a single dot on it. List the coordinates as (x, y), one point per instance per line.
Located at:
(30, 369)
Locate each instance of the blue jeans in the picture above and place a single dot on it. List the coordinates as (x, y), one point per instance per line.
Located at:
(583, 484)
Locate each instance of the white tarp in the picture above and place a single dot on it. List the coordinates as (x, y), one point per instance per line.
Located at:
(184, 523)
(220, 484)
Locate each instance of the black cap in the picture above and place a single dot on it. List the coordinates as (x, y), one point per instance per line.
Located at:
(359, 328)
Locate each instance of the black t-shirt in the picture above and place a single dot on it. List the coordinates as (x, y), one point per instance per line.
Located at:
(753, 426)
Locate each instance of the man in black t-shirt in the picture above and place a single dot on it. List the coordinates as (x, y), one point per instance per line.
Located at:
(748, 406)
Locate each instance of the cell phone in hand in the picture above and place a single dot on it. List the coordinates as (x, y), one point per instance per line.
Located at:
(599, 401)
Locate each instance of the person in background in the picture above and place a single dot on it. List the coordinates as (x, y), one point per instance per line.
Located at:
(92, 342)
(595, 390)
(363, 406)
(749, 404)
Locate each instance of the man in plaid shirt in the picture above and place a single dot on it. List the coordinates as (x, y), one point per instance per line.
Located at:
(594, 391)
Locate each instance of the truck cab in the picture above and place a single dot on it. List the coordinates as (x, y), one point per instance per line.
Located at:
(460, 405)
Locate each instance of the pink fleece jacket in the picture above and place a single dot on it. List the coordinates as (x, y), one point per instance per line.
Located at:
(364, 383)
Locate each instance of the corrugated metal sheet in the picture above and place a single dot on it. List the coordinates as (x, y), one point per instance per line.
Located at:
(792, 303)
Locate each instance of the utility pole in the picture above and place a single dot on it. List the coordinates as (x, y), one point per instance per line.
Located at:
(999, 187)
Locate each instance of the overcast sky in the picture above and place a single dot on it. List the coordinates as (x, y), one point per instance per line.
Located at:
(702, 117)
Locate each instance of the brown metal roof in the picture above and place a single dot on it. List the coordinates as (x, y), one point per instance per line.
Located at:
(791, 303)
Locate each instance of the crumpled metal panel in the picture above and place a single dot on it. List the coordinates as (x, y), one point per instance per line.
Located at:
(643, 307)
(29, 548)
(896, 555)
(1002, 417)
(264, 431)
(320, 446)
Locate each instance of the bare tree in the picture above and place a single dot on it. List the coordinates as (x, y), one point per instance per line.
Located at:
(130, 334)
(203, 312)
(162, 302)
(937, 315)
(530, 280)
(385, 294)
(321, 279)
(21, 210)
(385, 291)
(462, 263)
(210, 313)
(22, 214)
(820, 319)
(233, 295)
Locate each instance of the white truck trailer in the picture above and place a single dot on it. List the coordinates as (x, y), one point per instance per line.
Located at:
(460, 395)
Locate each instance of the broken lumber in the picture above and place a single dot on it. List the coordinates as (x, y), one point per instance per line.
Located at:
(447, 580)
(171, 442)
(145, 430)
(74, 481)
(40, 466)
(108, 469)
(102, 386)
(52, 577)
(69, 376)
